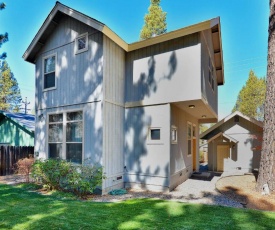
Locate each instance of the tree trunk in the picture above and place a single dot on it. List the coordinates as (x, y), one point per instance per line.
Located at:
(267, 164)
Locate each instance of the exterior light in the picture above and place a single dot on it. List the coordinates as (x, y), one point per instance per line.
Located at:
(191, 106)
(203, 116)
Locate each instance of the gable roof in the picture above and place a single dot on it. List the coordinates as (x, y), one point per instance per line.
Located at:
(59, 10)
(25, 120)
(224, 120)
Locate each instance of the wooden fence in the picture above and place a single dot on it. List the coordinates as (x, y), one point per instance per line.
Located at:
(9, 155)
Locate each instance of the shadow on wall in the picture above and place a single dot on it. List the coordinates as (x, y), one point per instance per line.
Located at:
(255, 141)
(137, 123)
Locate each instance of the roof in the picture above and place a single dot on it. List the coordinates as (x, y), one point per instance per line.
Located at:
(224, 120)
(25, 120)
(59, 10)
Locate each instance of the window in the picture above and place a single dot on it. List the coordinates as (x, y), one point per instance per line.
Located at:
(211, 74)
(49, 71)
(65, 136)
(81, 43)
(154, 134)
(189, 138)
(174, 135)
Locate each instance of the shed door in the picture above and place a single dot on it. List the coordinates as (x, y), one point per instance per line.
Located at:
(222, 153)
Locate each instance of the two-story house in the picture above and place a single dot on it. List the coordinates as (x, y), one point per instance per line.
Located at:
(133, 108)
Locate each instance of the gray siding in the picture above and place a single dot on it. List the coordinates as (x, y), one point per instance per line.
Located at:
(207, 52)
(147, 162)
(181, 165)
(164, 73)
(113, 108)
(78, 77)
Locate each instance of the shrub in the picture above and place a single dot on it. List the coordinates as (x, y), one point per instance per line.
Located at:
(66, 176)
(24, 166)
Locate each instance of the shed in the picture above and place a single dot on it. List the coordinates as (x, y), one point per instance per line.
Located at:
(16, 129)
(234, 143)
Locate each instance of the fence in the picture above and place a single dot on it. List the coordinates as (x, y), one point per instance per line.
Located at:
(9, 155)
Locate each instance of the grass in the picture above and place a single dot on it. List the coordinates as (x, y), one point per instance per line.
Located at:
(23, 209)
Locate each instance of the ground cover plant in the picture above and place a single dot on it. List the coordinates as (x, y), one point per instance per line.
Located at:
(23, 209)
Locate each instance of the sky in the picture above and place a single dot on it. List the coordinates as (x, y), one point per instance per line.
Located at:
(244, 29)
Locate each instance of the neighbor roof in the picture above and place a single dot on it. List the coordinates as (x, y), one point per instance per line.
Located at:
(25, 120)
(59, 10)
(221, 122)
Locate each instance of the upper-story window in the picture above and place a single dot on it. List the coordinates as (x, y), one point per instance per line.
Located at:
(81, 43)
(211, 75)
(49, 64)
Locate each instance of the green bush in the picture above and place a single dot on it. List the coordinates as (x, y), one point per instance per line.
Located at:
(66, 176)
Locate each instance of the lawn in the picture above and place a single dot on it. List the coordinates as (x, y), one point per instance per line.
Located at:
(22, 209)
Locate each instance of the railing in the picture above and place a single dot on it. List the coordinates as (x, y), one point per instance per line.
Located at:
(9, 156)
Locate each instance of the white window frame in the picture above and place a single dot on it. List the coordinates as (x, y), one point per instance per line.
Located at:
(189, 138)
(64, 122)
(149, 138)
(174, 129)
(85, 35)
(43, 68)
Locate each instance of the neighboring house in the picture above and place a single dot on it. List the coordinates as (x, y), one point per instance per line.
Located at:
(16, 129)
(234, 144)
(133, 108)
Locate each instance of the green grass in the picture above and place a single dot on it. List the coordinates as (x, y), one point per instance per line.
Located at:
(22, 209)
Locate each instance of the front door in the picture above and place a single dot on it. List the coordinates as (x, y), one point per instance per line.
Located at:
(222, 153)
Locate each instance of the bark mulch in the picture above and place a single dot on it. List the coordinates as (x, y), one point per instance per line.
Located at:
(242, 189)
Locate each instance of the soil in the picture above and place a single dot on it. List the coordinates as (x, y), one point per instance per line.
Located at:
(242, 189)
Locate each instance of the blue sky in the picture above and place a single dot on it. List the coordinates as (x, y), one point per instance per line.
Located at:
(244, 25)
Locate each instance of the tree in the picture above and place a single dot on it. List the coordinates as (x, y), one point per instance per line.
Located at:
(154, 21)
(250, 100)
(10, 96)
(267, 164)
(3, 37)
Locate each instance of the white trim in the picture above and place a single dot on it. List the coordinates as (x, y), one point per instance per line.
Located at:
(76, 50)
(64, 122)
(43, 71)
(174, 128)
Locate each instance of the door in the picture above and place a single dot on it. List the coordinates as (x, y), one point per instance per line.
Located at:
(222, 153)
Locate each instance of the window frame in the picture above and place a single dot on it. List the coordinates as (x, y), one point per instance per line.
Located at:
(189, 124)
(149, 138)
(43, 68)
(174, 129)
(85, 35)
(64, 141)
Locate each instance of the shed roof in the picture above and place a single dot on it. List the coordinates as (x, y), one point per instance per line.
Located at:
(59, 10)
(25, 120)
(206, 134)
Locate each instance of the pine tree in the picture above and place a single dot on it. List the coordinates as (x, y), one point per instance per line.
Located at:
(250, 100)
(10, 96)
(267, 164)
(3, 37)
(154, 21)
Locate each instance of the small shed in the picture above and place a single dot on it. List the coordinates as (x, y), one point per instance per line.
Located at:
(234, 143)
(16, 129)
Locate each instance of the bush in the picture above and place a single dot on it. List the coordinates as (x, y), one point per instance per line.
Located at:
(24, 166)
(66, 176)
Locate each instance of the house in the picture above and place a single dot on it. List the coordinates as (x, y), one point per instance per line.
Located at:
(133, 108)
(234, 143)
(16, 129)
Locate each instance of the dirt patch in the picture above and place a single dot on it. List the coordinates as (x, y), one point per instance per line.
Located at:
(242, 189)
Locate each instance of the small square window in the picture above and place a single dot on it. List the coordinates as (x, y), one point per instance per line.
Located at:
(81, 43)
(155, 134)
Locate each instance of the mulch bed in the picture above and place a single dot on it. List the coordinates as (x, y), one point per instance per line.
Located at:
(242, 189)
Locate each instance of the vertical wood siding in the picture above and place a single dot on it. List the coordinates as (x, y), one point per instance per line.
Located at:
(113, 107)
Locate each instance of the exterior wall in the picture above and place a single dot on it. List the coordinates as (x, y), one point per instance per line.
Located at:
(78, 77)
(92, 124)
(207, 52)
(113, 119)
(147, 162)
(164, 73)
(244, 155)
(79, 85)
(13, 134)
(181, 165)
